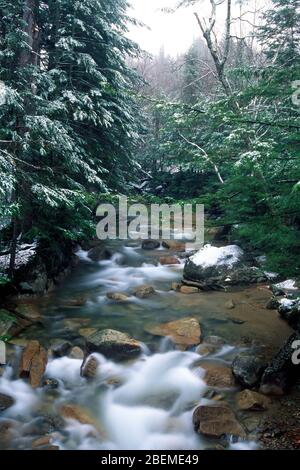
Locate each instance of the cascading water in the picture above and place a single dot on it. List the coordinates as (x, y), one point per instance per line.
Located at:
(143, 404)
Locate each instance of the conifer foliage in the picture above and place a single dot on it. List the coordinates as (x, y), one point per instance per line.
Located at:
(68, 119)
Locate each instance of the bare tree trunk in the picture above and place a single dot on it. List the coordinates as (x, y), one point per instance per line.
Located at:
(208, 33)
(29, 55)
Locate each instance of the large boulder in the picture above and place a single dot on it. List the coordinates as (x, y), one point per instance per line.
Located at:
(289, 310)
(217, 421)
(185, 332)
(215, 267)
(33, 363)
(248, 369)
(283, 371)
(99, 252)
(114, 344)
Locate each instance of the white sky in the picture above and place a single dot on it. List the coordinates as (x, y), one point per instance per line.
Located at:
(173, 31)
(176, 31)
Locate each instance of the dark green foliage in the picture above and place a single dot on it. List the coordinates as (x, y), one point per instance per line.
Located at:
(69, 121)
(245, 144)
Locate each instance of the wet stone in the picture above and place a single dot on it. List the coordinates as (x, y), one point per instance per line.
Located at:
(6, 402)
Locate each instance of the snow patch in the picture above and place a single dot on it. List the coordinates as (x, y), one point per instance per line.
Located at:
(287, 303)
(289, 284)
(271, 275)
(211, 255)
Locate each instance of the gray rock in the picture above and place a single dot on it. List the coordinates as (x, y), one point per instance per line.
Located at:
(289, 310)
(114, 344)
(60, 347)
(5, 402)
(248, 369)
(144, 291)
(228, 267)
(99, 253)
(272, 304)
(281, 373)
(150, 244)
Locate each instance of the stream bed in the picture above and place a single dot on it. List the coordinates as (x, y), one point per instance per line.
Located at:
(146, 403)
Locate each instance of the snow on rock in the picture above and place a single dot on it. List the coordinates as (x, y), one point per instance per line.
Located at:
(289, 310)
(211, 256)
(289, 284)
(287, 303)
(271, 276)
(215, 267)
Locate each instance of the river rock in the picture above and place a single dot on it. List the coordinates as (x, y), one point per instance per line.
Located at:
(252, 401)
(175, 286)
(60, 347)
(282, 372)
(5, 401)
(75, 412)
(230, 304)
(76, 353)
(187, 290)
(205, 349)
(117, 296)
(7, 431)
(217, 375)
(217, 421)
(184, 333)
(214, 340)
(289, 310)
(213, 267)
(114, 344)
(33, 363)
(150, 244)
(47, 423)
(168, 260)
(85, 332)
(41, 442)
(248, 369)
(272, 304)
(174, 245)
(145, 291)
(99, 253)
(89, 367)
(74, 324)
(83, 416)
(50, 384)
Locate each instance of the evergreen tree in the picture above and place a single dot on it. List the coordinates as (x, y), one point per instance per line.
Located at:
(68, 123)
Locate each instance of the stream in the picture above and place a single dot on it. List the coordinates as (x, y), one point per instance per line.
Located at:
(146, 403)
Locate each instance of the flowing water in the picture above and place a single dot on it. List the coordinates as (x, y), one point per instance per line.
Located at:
(143, 404)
